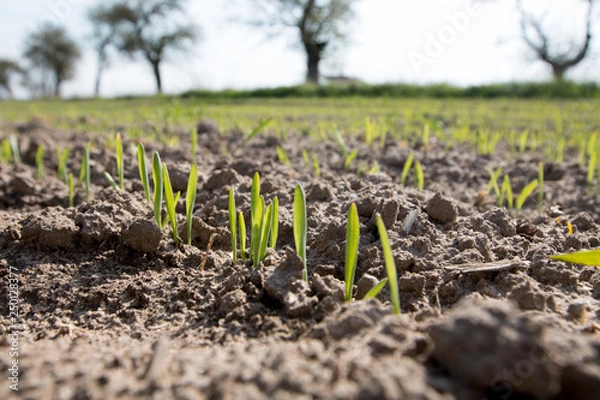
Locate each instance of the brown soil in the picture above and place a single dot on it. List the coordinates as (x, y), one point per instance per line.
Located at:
(109, 308)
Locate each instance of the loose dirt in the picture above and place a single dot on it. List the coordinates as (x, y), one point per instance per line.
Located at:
(110, 308)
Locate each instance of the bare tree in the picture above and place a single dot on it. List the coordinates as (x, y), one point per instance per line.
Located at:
(103, 36)
(51, 50)
(8, 69)
(143, 27)
(538, 40)
(319, 25)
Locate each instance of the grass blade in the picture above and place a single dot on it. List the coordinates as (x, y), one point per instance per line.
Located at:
(316, 165)
(265, 231)
(406, 168)
(232, 224)
(170, 201)
(119, 153)
(352, 238)
(300, 227)
(143, 169)
(190, 200)
(63, 157)
(390, 265)
(157, 176)
(71, 190)
(371, 294)
(419, 179)
(39, 162)
(14, 147)
(255, 217)
(525, 193)
(349, 158)
(506, 193)
(282, 156)
(257, 130)
(275, 223)
(587, 257)
(242, 226)
(86, 172)
(111, 181)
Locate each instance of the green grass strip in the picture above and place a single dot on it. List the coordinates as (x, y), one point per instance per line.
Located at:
(390, 265)
(39, 162)
(300, 227)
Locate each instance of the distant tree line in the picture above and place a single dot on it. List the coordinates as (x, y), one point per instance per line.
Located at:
(151, 30)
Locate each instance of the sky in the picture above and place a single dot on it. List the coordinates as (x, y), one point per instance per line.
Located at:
(391, 41)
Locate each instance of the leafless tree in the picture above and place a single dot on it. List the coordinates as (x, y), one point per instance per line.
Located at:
(143, 27)
(319, 25)
(538, 40)
(54, 53)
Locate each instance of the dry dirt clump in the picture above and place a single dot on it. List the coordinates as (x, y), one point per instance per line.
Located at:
(110, 308)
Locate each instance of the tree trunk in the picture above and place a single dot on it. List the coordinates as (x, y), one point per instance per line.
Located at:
(156, 69)
(313, 58)
(57, 83)
(99, 71)
(559, 72)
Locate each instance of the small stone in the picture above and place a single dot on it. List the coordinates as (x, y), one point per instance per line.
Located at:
(364, 284)
(232, 300)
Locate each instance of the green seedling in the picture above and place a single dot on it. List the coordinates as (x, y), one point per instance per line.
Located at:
(63, 157)
(190, 201)
(300, 227)
(14, 147)
(593, 160)
(120, 166)
(143, 170)
(540, 200)
(39, 162)
(316, 165)
(256, 213)
(506, 193)
(157, 176)
(390, 265)
(586, 257)
(232, 225)
(352, 236)
(525, 193)
(371, 294)
(265, 231)
(84, 174)
(262, 125)
(171, 201)
(194, 143)
(493, 183)
(71, 190)
(110, 180)
(374, 168)
(274, 223)
(419, 179)
(242, 226)
(406, 168)
(305, 159)
(349, 158)
(339, 139)
(282, 156)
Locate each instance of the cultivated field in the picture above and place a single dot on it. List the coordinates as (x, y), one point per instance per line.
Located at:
(135, 294)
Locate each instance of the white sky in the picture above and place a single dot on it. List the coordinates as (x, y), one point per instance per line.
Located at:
(387, 34)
